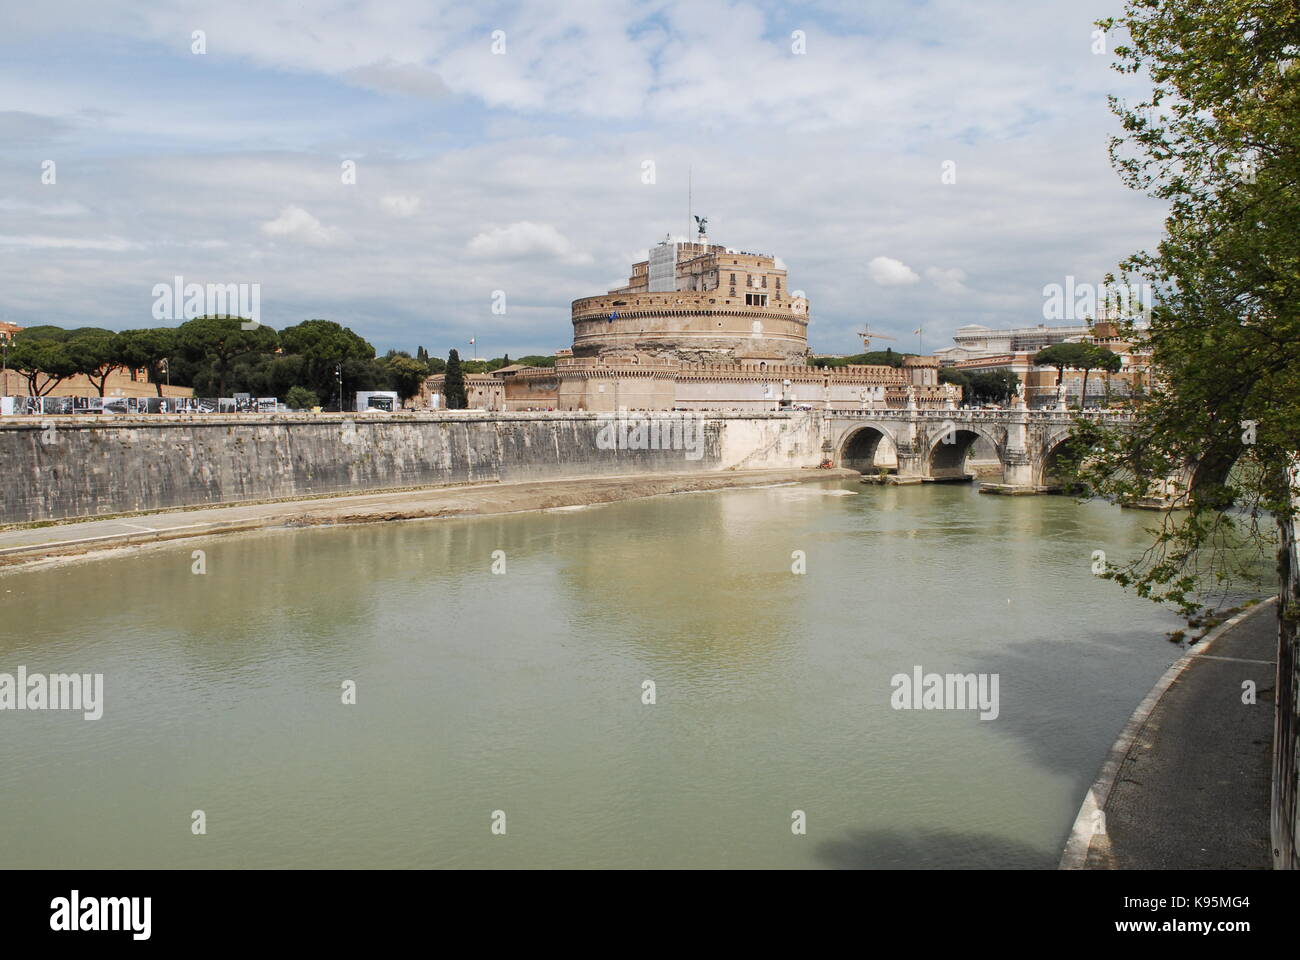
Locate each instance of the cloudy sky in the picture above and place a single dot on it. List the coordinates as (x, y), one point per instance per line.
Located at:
(506, 146)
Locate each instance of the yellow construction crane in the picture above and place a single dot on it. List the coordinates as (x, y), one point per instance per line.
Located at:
(867, 335)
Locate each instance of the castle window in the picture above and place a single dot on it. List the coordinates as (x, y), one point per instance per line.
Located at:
(765, 279)
(733, 279)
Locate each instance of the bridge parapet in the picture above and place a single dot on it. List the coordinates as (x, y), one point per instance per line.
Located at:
(1034, 416)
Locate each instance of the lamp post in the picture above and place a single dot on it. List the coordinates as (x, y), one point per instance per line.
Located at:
(338, 379)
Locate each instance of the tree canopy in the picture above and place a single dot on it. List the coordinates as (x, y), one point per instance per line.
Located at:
(1217, 138)
(991, 386)
(215, 355)
(220, 341)
(1062, 355)
(44, 363)
(146, 348)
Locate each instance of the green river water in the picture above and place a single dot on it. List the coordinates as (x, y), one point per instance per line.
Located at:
(522, 691)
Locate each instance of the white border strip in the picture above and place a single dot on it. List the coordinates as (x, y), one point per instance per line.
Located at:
(1091, 811)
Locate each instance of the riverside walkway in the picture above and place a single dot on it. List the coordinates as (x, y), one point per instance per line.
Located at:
(33, 543)
(1186, 786)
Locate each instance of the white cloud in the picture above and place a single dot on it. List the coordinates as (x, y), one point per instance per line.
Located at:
(525, 238)
(411, 79)
(111, 244)
(295, 223)
(400, 205)
(948, 281)
(890, 63)
(888, 272)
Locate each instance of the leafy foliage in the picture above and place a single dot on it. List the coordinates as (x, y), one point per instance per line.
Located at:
(1218, 138)
(875, 358)
(44, 363)
(405, 375)
(220, 341)
(216, 357)
(992, 386)
(93, 354)
(148, 349)
(300, 398)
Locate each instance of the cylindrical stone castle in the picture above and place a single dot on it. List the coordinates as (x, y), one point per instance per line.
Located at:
(697, 303)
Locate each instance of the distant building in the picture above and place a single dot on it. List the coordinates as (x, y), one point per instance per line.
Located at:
(974, 342)
(982, 350)
(483, 391)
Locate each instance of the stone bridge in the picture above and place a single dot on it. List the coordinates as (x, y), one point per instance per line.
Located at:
(938, 445)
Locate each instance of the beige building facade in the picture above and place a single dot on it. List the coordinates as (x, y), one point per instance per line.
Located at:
(483, 391)
(633, 381)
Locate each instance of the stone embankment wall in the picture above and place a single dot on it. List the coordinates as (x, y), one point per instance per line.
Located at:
(61, 467)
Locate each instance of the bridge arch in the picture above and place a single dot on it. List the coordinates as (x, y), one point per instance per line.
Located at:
(1049, 457)
(866, 448)
(949, 450)
(1205, 479)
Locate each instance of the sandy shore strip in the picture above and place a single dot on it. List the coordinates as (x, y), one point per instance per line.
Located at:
(25, 546)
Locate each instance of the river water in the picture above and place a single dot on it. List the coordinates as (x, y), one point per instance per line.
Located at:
(522, 691)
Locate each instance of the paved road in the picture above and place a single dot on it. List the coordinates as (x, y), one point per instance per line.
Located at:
(1192, 792)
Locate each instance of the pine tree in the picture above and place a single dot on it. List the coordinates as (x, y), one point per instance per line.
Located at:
(454, 383)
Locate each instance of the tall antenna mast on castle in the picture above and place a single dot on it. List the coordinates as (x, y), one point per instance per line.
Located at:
(690, 221)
